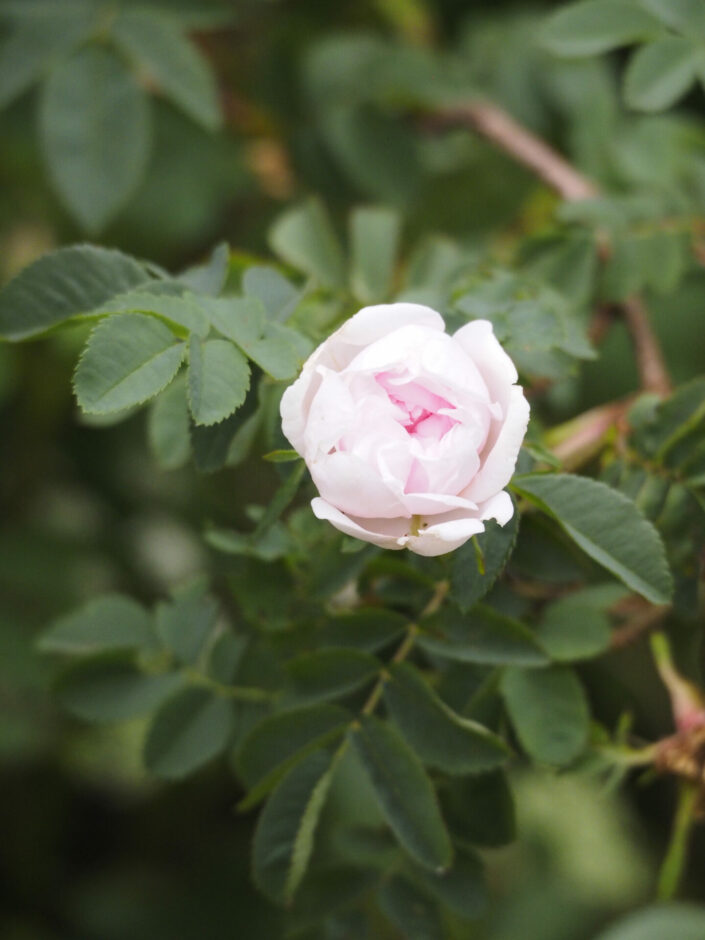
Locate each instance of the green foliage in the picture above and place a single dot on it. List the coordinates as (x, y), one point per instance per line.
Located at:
(682, 920)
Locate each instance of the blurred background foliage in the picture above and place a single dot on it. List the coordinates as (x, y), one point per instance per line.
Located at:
(281, 100)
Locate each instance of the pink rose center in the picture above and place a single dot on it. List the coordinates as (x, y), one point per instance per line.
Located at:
(421, 413)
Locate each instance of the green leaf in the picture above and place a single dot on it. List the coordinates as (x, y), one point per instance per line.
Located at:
(367, 628)
(108, 623)
(462, 888)
(577, 626)
(168, 426)
(209, 278)
(112, 690)
(549, 711)
(304, 238)
(661, 72)
(595, 26)
(480, 810)
(491, 549)
(678, 920)
(95, 128)
(276, 352)
(684, 16)
(190, 729)
(211, 444)
(172, 62)
(281, 740)
(404, 792)
(439, 736)
(411, 910)
(330, 673)
(63, 284)
(286, 829)
(128, 359)
(278, 295)
(182, 311)
(482, 636)
(31, 48)
(607, 526)
(218, 379)
(374, 240)
(280, 501)
(185, 622)
(281, 456)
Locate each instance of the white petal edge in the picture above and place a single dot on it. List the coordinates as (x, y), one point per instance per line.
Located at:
(498, 465)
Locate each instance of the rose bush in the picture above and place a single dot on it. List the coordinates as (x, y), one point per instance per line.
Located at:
(410, 434)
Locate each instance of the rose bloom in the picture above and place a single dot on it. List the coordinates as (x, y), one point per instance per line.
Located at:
(410, 434)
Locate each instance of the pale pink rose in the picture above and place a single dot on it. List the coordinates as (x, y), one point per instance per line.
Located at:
(410, 434)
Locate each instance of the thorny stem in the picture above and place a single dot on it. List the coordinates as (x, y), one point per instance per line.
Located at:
(526, 148)
(676, 857)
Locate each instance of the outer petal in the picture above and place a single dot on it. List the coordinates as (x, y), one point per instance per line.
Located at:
(499, 507)
(499, 462)
(355, 487)
(341, 347)
(386, 533)
(446, 536)
(481, 345)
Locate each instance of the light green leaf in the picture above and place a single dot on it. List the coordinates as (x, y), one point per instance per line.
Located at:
(680, 921)
(189, 730)
(577, 626)
(303, 237)
(209, 278)
(64, 284)
(439, 736)
(183, 311)
(108, 623)
(595, 26)
(241, 319)
(285, 833)
(661, 72)
(482, 636)
(549, 711)
(410, 909)
(281, 456)
(374, 240)
(128, 359)
(491, 550)
(276, 352)
(607, 526)
(330, 673)
(168, 426)
(281, 740)
(185, 622)
(172, 62)
(95, 128)
(31, 48)
(404, 792)
(684, 16)
(112, 690)
(278, 295)
(218, 379)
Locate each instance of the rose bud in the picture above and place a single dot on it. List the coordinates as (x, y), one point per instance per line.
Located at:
(410, 434)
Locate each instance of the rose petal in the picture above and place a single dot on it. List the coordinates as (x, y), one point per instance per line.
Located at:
(498, 465)
(496, 368)
(383, 532)
(351, 484)
(499, 507)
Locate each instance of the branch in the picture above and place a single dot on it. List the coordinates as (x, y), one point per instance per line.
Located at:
(530, 151)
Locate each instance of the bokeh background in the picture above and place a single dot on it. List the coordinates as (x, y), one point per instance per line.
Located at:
(91, 848)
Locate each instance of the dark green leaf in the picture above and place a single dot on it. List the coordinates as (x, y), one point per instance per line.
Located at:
(330, 673)
(405, 794)
(286, 829)
(63, 284)
(607, 526)
(549, 711)
(176, 66)
(480, 810)
(281, 740)
(211, 444)
(482, 636)
(95, 128)
(110, 690)
(367, 628)
(189, 730)
(439, 736)
(410, 909)
(129, 358)
(111, 622)
(462, 888)
(280, 501)
(491, 549)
